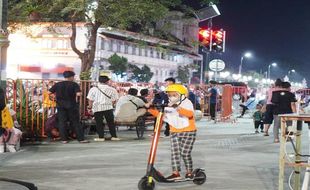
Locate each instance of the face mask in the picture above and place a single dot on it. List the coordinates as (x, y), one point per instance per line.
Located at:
(174, 100)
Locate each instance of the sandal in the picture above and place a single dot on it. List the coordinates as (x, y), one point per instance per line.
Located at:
(276, 141)
(266, 134)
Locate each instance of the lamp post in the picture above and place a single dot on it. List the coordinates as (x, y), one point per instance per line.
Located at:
(286, 78)
(269, 68)
(246, 55)
(291, 71)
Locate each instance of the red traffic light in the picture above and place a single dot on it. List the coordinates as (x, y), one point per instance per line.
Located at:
(205, 37)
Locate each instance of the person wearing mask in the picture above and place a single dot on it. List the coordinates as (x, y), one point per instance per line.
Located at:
(67, 93)
(101, 100)
(180, 116)
(284, 103)
(268, 116)
(129, 107)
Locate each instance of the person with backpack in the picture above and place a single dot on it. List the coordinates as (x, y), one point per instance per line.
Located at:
(67, 93)
(101, 101)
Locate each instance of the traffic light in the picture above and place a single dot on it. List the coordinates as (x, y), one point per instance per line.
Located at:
(205, 38)
(218, 40)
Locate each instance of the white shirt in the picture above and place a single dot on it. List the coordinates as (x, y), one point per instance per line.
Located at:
(100, 101)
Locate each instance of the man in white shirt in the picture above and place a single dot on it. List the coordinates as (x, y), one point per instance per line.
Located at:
(101, 100)
(129, 107)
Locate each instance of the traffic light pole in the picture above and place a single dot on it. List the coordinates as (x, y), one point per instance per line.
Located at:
(4, 42)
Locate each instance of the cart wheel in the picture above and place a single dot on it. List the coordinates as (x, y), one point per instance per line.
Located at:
(144, 185)
(200, 178)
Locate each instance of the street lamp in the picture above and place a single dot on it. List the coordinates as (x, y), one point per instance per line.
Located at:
(269, 67)
(291, 71)
(246, 55)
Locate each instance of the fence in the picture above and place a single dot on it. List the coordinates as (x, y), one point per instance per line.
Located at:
(30, 99)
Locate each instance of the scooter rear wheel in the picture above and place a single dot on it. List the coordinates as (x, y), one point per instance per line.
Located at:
(200, 178)
(145, 185)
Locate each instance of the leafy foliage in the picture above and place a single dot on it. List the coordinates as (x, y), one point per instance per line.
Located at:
(141, 75)
(118, 65)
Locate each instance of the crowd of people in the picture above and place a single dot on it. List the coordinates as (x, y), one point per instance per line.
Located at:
(279, 100)
(106, 106)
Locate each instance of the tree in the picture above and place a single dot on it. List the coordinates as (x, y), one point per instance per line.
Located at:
(140, 75)
(122, 14)
(183, 74)
(118, 65)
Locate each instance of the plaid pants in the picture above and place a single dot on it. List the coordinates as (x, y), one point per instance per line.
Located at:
(182, 146)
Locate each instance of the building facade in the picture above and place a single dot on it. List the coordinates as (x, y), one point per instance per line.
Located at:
(47, 52)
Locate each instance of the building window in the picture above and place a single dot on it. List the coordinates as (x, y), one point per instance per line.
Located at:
(146, 52)
(111, 45)
(140, 51)
(152, 52)
(158, 54)
(102, 44)
(126, 48)
(134, 50)
(118, 46)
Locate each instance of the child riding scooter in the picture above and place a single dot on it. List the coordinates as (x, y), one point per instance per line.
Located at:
(179, 114)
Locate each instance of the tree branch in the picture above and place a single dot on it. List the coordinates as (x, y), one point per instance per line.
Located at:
(73, 40)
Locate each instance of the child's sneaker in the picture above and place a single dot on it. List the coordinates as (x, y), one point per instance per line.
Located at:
(2, 148)
(11, 148)
(189, 176)
(173, 177)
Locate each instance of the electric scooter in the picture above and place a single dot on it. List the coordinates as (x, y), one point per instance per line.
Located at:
(148, 181)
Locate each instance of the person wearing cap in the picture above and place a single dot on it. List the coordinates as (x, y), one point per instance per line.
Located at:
(67, 93)
(180, 116)
(101, 100)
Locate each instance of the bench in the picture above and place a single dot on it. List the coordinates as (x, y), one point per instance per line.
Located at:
(140, 124)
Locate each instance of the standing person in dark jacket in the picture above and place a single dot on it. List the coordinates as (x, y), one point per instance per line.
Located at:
(67, 93)
(213, 95)
(2, 106)
(169, 81)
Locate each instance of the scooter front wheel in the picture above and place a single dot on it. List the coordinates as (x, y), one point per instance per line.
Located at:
(200, 178)
(145, 185)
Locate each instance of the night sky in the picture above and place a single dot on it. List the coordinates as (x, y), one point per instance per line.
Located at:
(274, 31)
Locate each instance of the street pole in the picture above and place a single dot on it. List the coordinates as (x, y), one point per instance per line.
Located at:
(269, 71)
(4, 42)
(240, 66)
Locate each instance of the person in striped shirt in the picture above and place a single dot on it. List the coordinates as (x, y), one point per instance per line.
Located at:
(180, 116)
(101, 100)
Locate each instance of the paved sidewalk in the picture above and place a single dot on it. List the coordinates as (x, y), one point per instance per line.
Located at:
(234, 158)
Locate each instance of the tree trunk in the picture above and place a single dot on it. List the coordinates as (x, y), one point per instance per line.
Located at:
(88, 56)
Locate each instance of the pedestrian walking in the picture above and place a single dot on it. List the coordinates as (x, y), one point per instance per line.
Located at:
(67, 93)
(101, 100)
(268, 117)
(284, 103)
